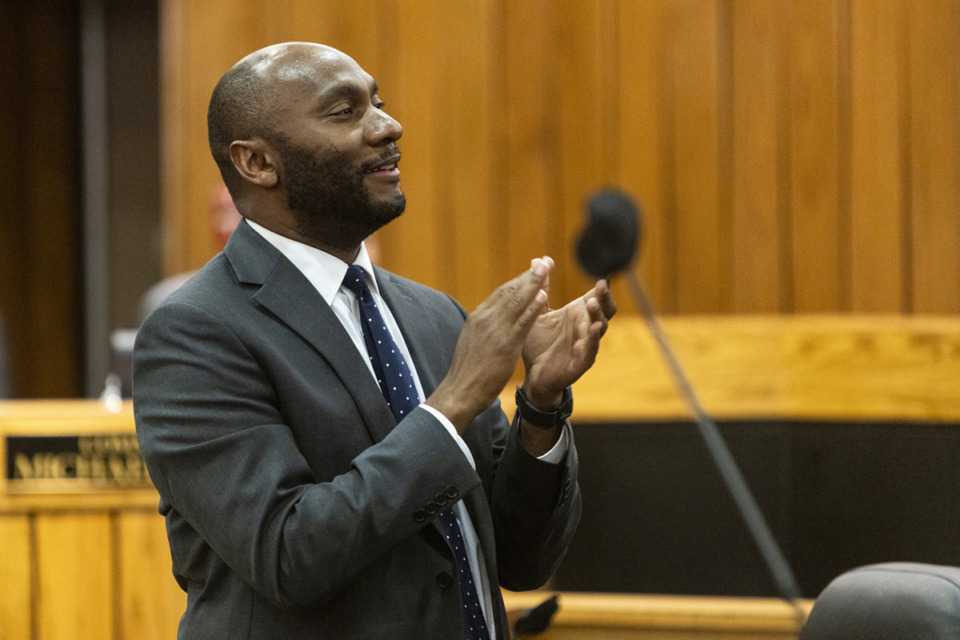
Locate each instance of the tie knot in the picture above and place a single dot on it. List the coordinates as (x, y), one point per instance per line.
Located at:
(355, 282)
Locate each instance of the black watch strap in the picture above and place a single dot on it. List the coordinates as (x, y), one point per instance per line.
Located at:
(545, 419)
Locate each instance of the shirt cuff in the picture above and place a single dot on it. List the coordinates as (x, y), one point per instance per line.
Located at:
(456, 436)
(555, 455)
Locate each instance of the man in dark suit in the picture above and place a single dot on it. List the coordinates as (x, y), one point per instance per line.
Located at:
(298, 505)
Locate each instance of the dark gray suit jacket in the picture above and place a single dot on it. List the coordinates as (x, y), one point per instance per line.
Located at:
(295, 506)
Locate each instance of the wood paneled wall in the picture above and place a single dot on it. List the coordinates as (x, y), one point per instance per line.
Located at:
(790, 156)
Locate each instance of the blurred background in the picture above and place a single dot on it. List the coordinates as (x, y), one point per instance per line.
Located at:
(790, 157)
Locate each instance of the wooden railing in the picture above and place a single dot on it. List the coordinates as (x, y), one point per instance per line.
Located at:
(789, 367)
(593, 616)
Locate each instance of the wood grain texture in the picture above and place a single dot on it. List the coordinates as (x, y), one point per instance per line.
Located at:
(15, 578)
(648, 617)
(934, 58)
(758, 203)
(796, 367)
(75, 595)
(790, 157)
(877, 258)
(151, 602)
(642, 120)
(814, 158)
(696, 218)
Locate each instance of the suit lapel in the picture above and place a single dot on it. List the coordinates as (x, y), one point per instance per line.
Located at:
(290, 298)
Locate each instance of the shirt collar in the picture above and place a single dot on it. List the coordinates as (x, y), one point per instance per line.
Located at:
(324, 271)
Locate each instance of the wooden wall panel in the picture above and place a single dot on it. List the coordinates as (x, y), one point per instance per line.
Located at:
(420, 81)
(814, 160)
(642, 125)
(198, 44)
(878, 184)
(583, 118)
(758, 174)
(102, 571)
(352, 24)
(468, 233)
(449, 230)
(696, 220)
(151, 602)
(530, 121)
(74, 576)
(934, 57)
(790, 156)
(15, 578)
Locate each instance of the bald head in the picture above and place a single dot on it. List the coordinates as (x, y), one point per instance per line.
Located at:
(248, 101)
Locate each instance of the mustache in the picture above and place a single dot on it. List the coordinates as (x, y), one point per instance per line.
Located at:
(390, 154)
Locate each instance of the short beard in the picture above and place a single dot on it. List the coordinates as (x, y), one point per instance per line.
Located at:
(329, 199)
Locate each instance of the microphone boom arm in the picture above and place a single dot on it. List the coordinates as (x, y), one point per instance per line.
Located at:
(773, 557)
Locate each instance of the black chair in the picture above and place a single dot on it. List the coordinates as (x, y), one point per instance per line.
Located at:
(889, 601)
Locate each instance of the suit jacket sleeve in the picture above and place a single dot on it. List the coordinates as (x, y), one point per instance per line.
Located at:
(536, 507)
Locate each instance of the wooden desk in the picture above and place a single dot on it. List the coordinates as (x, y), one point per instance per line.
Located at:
(81, 561)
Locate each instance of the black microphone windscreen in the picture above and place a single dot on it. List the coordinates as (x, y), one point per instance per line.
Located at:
(610, 238)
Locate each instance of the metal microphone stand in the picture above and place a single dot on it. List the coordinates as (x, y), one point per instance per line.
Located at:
(773, 557)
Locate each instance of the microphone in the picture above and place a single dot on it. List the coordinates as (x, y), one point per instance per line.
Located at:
(609, 241)
(606, 247)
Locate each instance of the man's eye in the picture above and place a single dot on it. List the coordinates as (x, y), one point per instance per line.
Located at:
(378, 105)
(344, 112)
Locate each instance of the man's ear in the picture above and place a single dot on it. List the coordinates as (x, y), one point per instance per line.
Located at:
(254, 161)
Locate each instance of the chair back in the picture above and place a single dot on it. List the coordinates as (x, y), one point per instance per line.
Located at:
(889, 601)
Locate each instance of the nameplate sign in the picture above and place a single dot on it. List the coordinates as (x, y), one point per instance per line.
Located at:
(66, 463)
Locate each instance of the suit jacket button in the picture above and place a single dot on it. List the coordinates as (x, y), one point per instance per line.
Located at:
(452, 492)
(430, 509)
(419, 515)
(445, 580)
(441, 499)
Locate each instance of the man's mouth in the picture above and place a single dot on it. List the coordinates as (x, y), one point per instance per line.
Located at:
(386, 167)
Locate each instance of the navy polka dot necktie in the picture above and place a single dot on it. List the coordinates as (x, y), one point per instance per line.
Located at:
(400, 392)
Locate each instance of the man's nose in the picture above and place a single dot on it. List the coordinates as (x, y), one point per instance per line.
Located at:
(383, 128)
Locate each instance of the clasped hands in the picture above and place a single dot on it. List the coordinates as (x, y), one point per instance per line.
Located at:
(557, 345)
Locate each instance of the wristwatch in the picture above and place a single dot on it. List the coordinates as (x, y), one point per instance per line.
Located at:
(545, 419)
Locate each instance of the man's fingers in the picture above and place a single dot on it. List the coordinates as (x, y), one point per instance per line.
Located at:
(548, 262)
(514, 298)
(603, 299)
(607, 305)
(529, 315)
